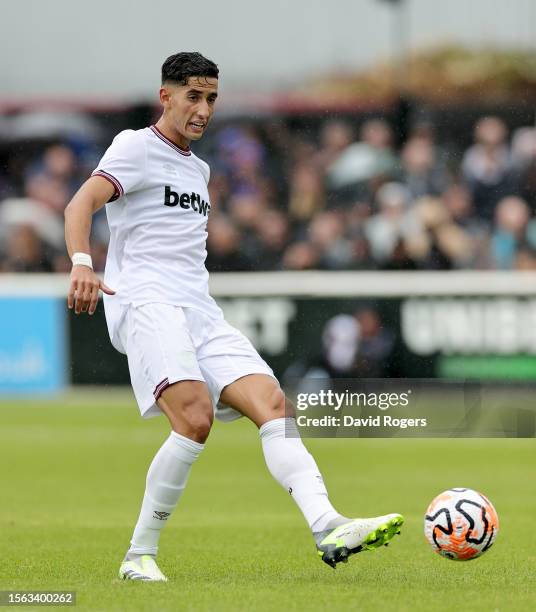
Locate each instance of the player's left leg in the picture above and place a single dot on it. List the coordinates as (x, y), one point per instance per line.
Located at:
(259, 397)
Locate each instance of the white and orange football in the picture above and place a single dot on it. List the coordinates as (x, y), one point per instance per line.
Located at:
(461, 524)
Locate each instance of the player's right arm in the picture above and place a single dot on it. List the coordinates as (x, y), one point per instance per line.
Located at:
(85, 284)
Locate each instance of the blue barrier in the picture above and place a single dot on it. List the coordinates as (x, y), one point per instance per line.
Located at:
(32, 345)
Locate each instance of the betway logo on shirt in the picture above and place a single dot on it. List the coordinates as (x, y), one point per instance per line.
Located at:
(186, 200)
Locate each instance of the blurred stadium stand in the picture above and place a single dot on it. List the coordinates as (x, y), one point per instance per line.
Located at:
(305, 190)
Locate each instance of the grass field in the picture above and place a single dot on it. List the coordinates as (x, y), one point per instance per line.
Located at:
(73, 475)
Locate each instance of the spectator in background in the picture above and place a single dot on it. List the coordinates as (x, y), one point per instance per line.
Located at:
(336, 358)
(245, 210)
(218, 190)
(241, 154)
(361, 257)
(458, 204)
(361, 162)
(527, 185)
(487, 166)
(352, 346)
(273, 234)
(223, 246)
(49, 191)
(335, 137)
(422, 173)
(512, 232)
(395, 233)
(340, 344)
(375, 345)
(47, 224)
(25, 252)
(447, 242)
(524, 159)
(60, 163)
(355, 220)
(307, 195)
(526, 259)
(327, 235)
(301, 256)
(303, 151)
(523, 147)
(53, 178)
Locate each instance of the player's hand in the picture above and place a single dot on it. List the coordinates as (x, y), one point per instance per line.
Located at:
(84, 290)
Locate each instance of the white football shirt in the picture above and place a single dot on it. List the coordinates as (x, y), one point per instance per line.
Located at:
(158, 225)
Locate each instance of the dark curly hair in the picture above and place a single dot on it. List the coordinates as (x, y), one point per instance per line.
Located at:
(180, 67)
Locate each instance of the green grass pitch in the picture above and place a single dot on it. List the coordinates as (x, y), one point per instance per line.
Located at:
(73, 474)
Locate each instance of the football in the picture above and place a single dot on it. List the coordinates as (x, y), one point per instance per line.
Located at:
(461, 524)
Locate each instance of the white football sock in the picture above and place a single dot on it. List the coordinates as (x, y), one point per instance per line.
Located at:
(291, 464)
(166, 480)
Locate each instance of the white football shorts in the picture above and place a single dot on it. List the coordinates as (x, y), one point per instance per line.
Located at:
(166, 344)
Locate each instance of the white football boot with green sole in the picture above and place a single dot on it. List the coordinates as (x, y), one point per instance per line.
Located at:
(337, 544)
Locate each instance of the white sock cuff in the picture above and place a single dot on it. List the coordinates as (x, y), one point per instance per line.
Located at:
(183, 448)
(143, 550)
(279, 428)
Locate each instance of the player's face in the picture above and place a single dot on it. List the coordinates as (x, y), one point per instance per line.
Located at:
(189, 107)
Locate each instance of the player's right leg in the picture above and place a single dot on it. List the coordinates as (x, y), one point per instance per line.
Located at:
(166, 379)
(189, 410)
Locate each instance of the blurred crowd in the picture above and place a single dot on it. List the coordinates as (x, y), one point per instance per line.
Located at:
(340, 197)
(356, 345)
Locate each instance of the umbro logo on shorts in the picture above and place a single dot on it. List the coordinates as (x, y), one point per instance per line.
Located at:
(161, 516)
(186, 200)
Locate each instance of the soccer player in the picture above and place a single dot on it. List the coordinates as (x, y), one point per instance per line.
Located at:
(182, 355)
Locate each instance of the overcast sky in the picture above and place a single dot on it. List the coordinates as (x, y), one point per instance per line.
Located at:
(111, 48)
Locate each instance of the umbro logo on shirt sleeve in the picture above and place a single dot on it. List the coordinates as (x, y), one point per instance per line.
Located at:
(186, 200)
